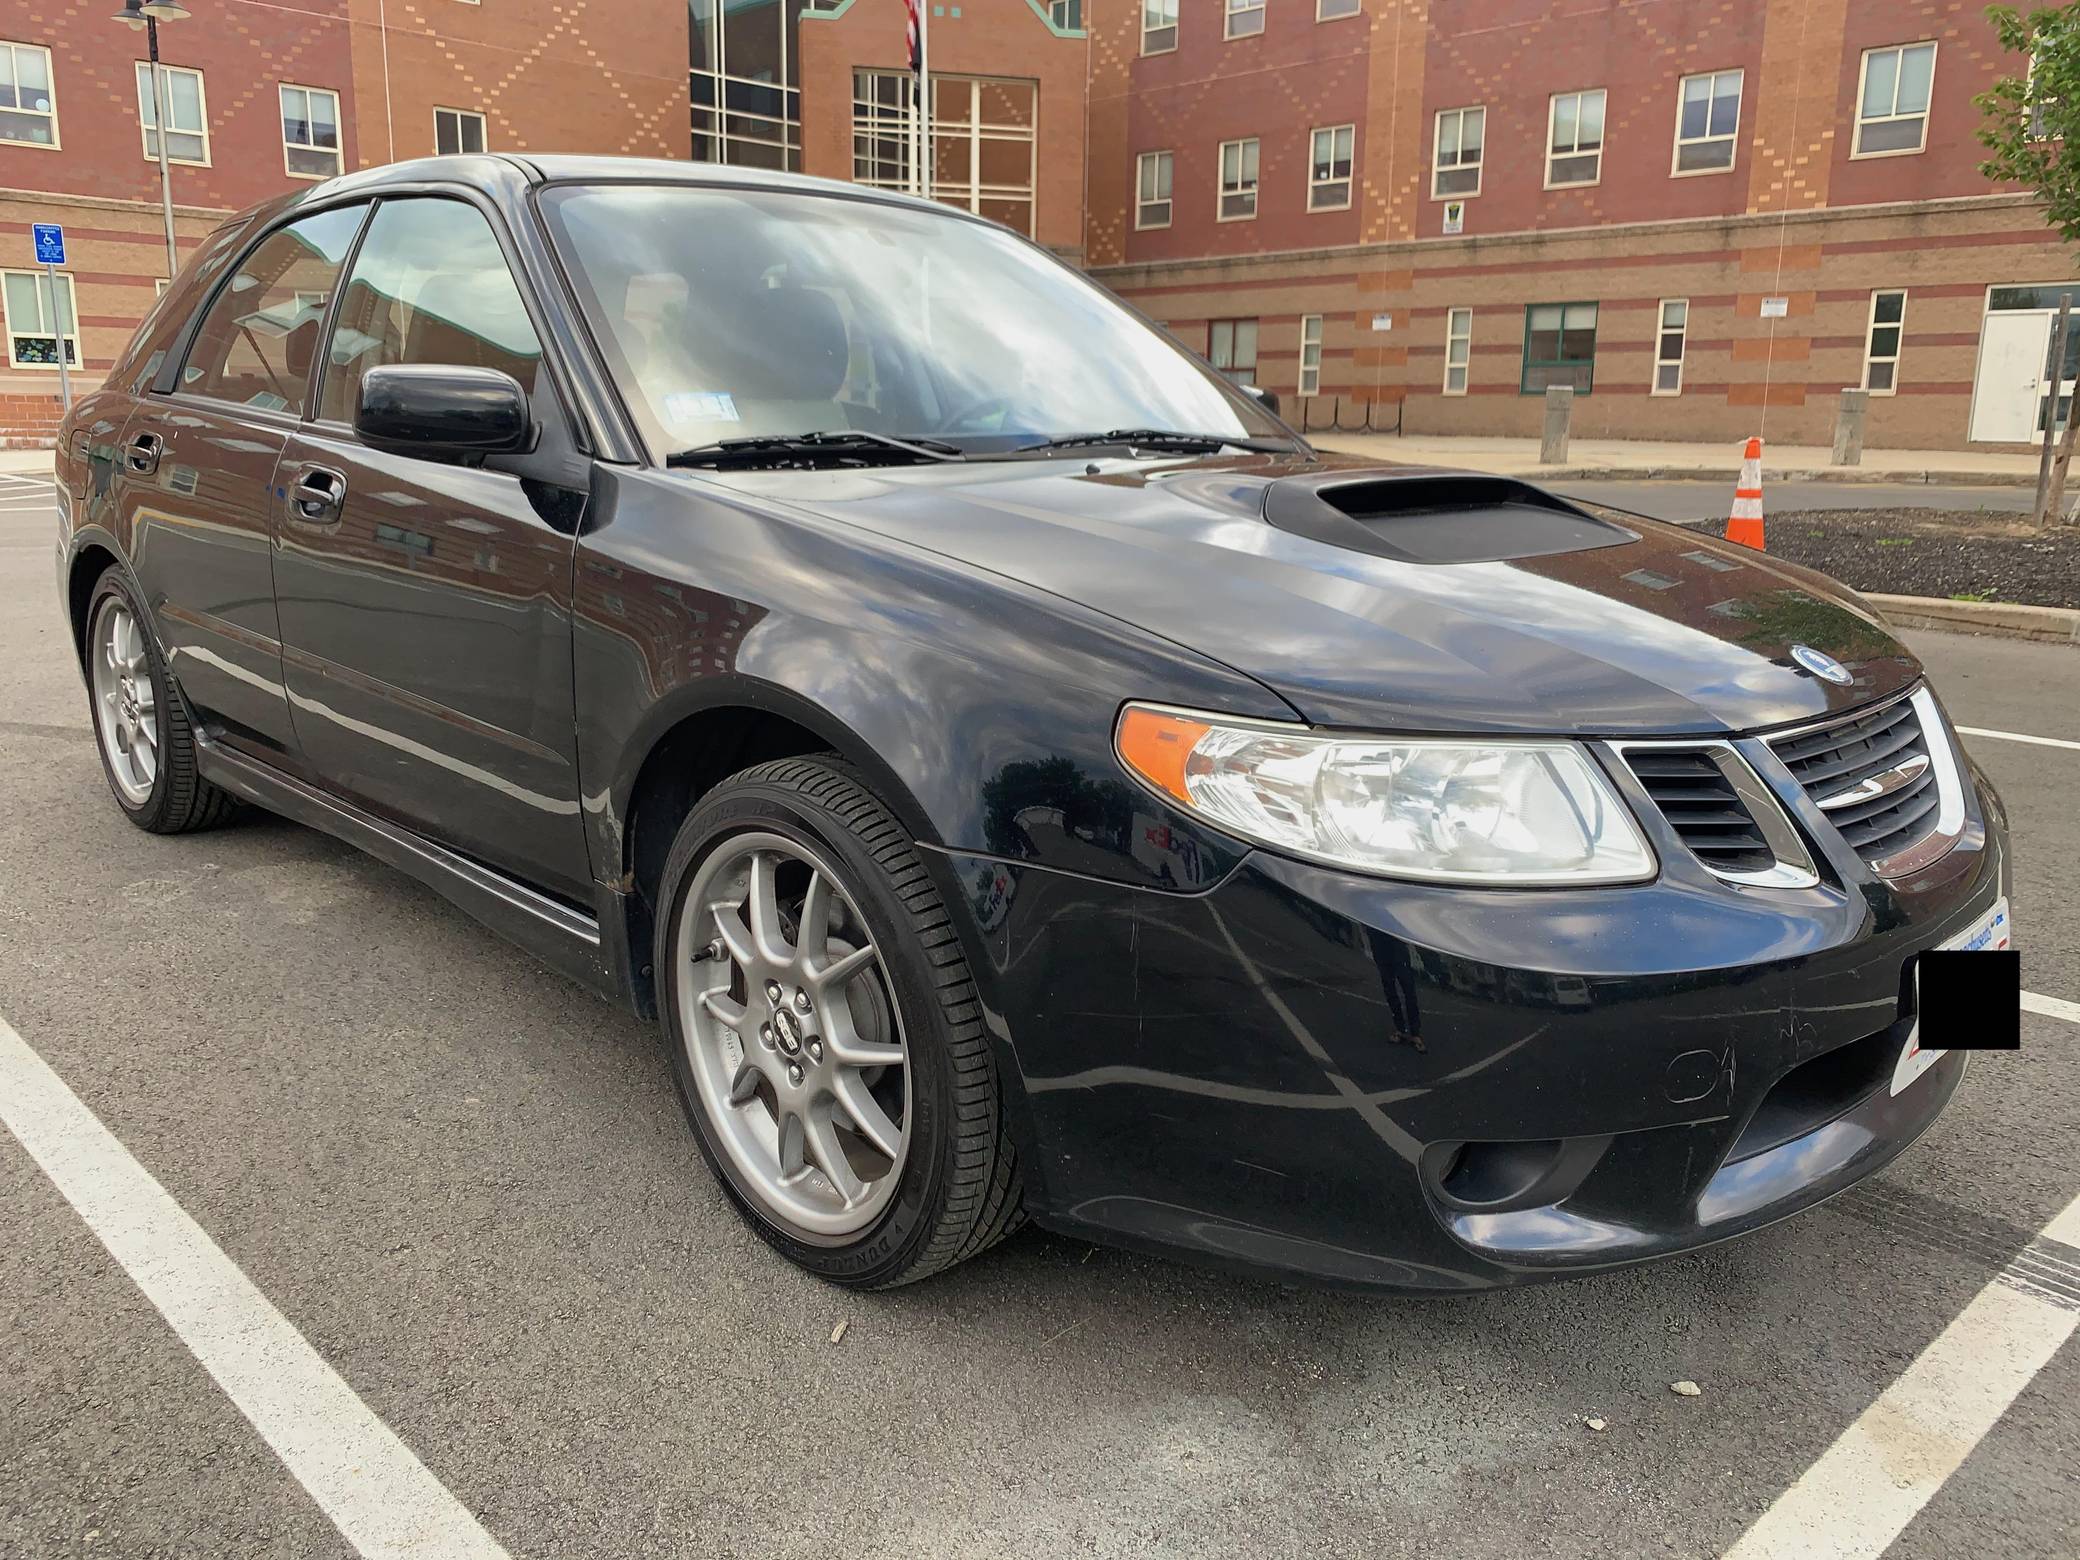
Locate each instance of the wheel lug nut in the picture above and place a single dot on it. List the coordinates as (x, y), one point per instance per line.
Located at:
(794, 1075)
(801, 1001)
(772, 991)
(815, 1050)
(765, 1033)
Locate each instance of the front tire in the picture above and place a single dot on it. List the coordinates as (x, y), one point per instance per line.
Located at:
(824, 1032)
(141, 728)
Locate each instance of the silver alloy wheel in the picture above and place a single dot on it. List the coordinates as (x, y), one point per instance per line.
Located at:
(126, 700)
(793, 1035)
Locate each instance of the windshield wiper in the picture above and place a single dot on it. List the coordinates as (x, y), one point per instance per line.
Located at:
(842, 445)
(1161, 439)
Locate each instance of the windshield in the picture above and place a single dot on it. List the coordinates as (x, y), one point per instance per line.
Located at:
(730, 314)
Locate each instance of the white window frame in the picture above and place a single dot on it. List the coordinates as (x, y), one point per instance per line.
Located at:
(39, 280)
(1232, 9)
(1662, 331)
(1732, 137)
(1863, 70)
(459, 115)
(1162, 8)
(1244, 186)
(1454, 319)
(1870, 326)
(145, 131)
(1310, 380)
(50, 76)
(1142, 200)
(1058, 13)
(1552, 154)
(339, 152)
(1437, 142)
(1348, 180)
(1350, 8)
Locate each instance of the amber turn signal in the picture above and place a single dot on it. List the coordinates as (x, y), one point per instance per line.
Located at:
(1155, 744)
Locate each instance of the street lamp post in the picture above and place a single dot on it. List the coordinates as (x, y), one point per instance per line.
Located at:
(148, 14)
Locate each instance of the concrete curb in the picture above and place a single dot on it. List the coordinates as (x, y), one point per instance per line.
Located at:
(1728, 474)
(2048, 625)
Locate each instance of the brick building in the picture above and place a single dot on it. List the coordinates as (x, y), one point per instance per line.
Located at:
(1412, 213)
(1419, 213)
(263, 94)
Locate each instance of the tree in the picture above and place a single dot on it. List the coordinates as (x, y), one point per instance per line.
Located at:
(2030, 121)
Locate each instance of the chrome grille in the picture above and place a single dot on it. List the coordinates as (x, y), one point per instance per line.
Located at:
(1873, 774)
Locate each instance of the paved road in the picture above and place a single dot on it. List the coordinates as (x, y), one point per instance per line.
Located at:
(467, 1184)
(1690, 501)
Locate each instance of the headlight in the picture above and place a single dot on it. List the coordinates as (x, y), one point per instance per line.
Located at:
(1498, 812)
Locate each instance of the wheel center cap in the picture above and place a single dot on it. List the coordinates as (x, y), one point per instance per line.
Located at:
(787, 1031)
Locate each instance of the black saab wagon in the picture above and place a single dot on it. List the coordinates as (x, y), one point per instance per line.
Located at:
(1023, 777)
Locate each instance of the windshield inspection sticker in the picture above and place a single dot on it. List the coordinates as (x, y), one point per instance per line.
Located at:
(698, 406)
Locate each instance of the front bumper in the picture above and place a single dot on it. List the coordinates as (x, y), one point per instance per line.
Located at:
(1422, 1088)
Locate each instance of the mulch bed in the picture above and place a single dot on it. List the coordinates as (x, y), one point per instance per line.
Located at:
(1960, 554)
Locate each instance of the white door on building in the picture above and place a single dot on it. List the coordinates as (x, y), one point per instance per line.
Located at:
(2014, 351)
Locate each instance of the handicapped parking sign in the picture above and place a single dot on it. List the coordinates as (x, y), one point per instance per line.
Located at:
(50, 242)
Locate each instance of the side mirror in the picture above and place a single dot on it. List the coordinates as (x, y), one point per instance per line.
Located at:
(438, 409)
(1269, 398)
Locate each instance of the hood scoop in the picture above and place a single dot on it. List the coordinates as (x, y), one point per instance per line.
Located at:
(1435, 518)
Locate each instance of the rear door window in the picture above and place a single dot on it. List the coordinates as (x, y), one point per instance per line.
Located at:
(256, 343)
(430, 285)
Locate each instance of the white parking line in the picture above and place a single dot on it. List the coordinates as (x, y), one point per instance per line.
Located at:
(1884, 1468)
(2016, 736)
(2051, 1007)
(379, 1495)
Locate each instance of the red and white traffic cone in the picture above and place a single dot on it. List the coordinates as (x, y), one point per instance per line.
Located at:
(1745, 524)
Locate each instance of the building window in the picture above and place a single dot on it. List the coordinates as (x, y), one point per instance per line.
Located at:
(187, 115)
(1892, 100)
(1455, 167)
(457, 130)
(982, 140)
(1238, 180)
(1458, 349)
(1329, 170)
(36, 319)
(1234, 349)
(1669, 337)
(1575, 139)
(1708, 120)
(1158, 26)
(1310, 354)
(1881, 349)
(1152, 206)
(1066, 14)
(28, 111)
(1333, 10)
(1559, 347)
(1245, 18)
(310, 132)
(745, 80)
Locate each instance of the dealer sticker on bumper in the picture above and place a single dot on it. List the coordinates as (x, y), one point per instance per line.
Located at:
(1990, 931)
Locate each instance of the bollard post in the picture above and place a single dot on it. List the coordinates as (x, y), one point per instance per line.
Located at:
(1848, 428)
(1552, 446)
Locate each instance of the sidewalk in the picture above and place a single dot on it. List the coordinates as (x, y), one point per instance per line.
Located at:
(27, 463)
(1610, 460)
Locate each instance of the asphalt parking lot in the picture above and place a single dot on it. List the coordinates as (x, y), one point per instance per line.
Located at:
(465, 1185)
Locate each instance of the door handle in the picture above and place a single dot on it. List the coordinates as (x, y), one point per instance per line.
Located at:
(142, 453)
(317, 497)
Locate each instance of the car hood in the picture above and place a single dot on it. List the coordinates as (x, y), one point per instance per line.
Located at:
(1655, 628)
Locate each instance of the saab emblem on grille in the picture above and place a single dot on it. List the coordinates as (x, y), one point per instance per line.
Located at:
(1821, 664)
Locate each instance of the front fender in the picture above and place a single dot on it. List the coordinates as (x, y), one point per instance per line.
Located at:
(983, 705)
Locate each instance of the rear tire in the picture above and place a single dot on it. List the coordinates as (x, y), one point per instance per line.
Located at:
(866, 1170)
(141, 727)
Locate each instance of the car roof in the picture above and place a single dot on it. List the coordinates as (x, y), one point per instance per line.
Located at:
(489, 170)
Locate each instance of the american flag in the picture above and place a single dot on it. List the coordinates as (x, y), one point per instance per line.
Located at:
(910, 31)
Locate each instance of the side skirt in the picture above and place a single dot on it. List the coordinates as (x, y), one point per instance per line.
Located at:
(567, 940)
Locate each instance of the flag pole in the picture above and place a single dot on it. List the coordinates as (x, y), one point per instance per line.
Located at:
(924, 96)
